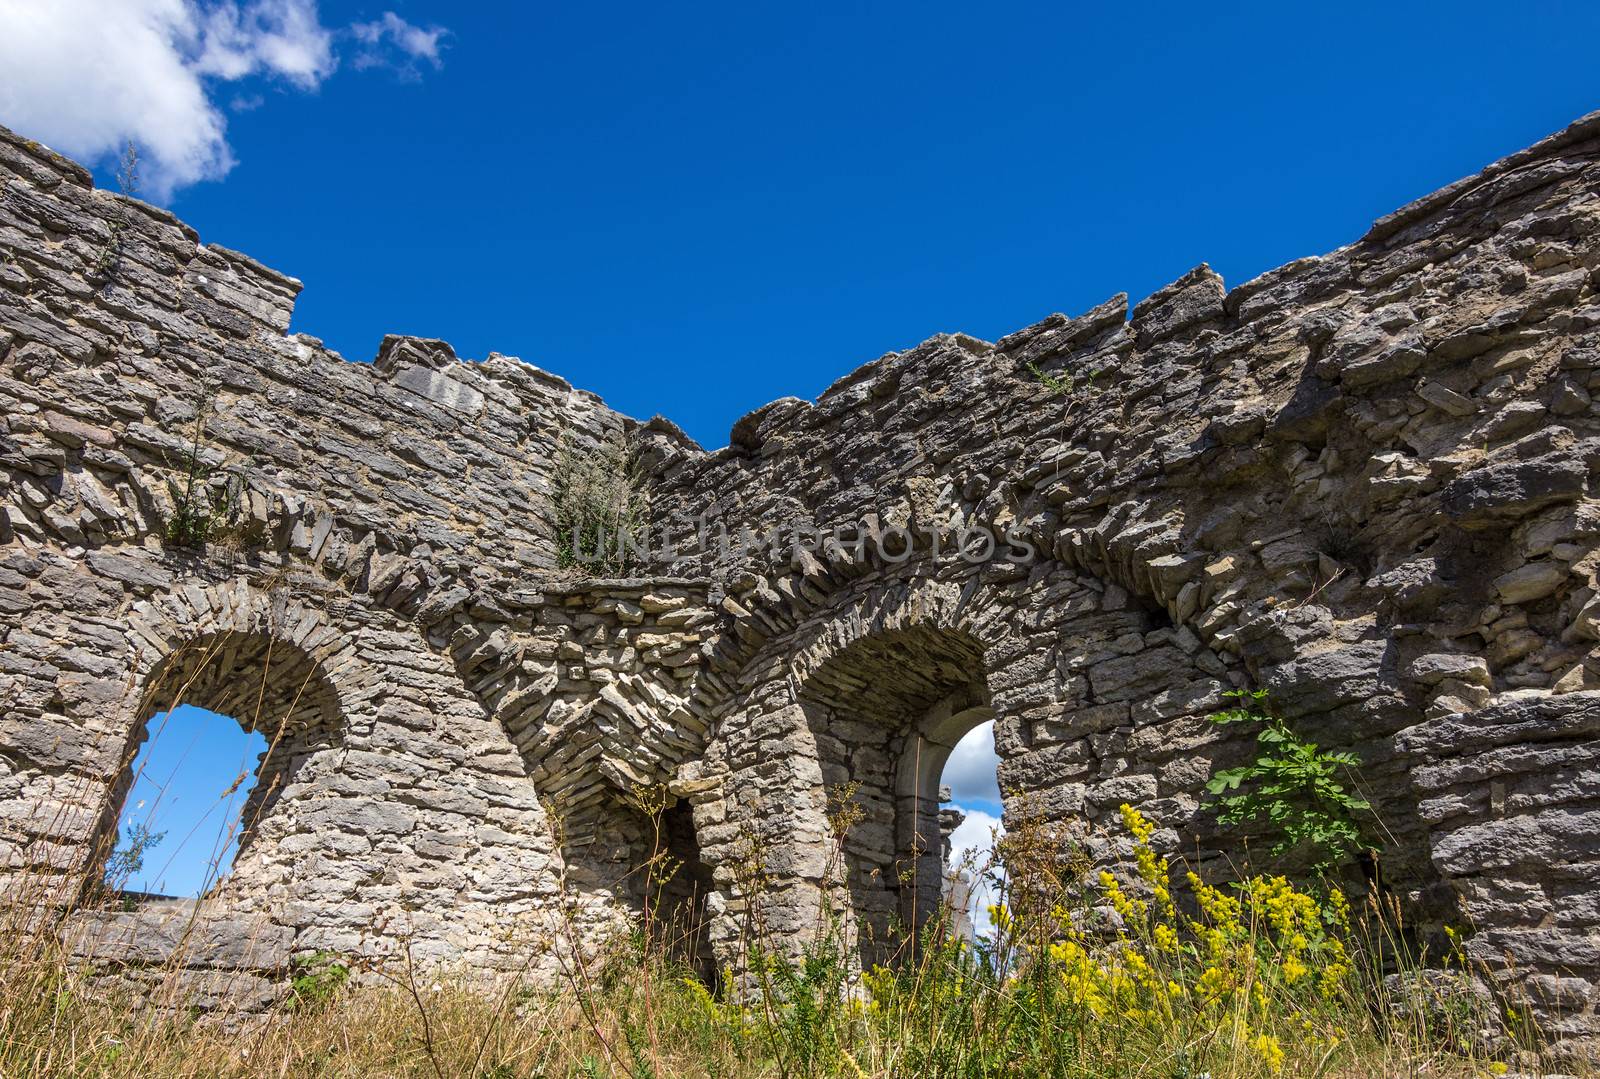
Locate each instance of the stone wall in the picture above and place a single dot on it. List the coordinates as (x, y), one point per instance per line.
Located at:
(384, 518)
(1361, 481)
(1512, 801)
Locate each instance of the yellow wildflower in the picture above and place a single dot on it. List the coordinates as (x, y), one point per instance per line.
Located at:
(1222, 910)
(1084, 981)
(1335, 970)
(1269, 1050)
(1000, 916)
(1138, 825)
(1128, 908)
(1213, 985)
(1337, 911)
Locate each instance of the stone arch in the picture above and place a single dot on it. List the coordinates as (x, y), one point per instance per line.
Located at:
(1097, 697)
(883, 715)
(271, 665)
(917, 797)
(590, 686)
(265, 685)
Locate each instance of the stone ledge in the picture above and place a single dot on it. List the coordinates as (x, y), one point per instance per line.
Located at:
(188, 932)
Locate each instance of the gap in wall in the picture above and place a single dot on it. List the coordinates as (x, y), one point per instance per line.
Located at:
(179, 826)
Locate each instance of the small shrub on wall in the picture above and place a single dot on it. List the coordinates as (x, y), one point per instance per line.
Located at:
(1302, 792)
(598, 503)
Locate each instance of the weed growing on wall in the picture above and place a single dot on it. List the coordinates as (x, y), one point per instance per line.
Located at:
(317, 980)
(598, 501)
(1055, 384)
(1301, 791)
(128, 183)
(197, 508)
(1064, 383)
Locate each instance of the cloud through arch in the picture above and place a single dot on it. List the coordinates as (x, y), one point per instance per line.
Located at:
(975, 790)
(970, 771)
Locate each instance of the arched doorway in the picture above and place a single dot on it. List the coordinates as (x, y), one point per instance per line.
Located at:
(682, 887)
(920, 813)
(885, 713)
(970, 823)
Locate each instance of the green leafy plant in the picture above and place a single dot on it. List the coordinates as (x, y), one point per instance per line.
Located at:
(1073, 390)
(128, 183)
(318, 977)
(196, 509)
(1056, 385)
(1293, 785)
(805, 1003)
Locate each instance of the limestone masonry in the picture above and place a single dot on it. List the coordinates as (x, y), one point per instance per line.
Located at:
(1365, 482)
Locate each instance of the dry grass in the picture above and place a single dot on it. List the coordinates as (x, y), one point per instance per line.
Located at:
(1263, 982)
(1091, 979)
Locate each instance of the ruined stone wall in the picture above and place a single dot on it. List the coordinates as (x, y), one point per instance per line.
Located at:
(384, 517)
(1361, 481)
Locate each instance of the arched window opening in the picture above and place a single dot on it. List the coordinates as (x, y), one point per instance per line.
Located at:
(183, 814)
(224, 724)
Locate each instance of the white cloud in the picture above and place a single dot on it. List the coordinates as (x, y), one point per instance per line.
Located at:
(972, 851)
(974, 837)
(87, 76)
(390, 31)
(970, 771)
(970, 775)
(277, 37)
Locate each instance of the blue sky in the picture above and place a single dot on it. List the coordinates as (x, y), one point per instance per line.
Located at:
(974, 789)
(192, 776)
(695, 209)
